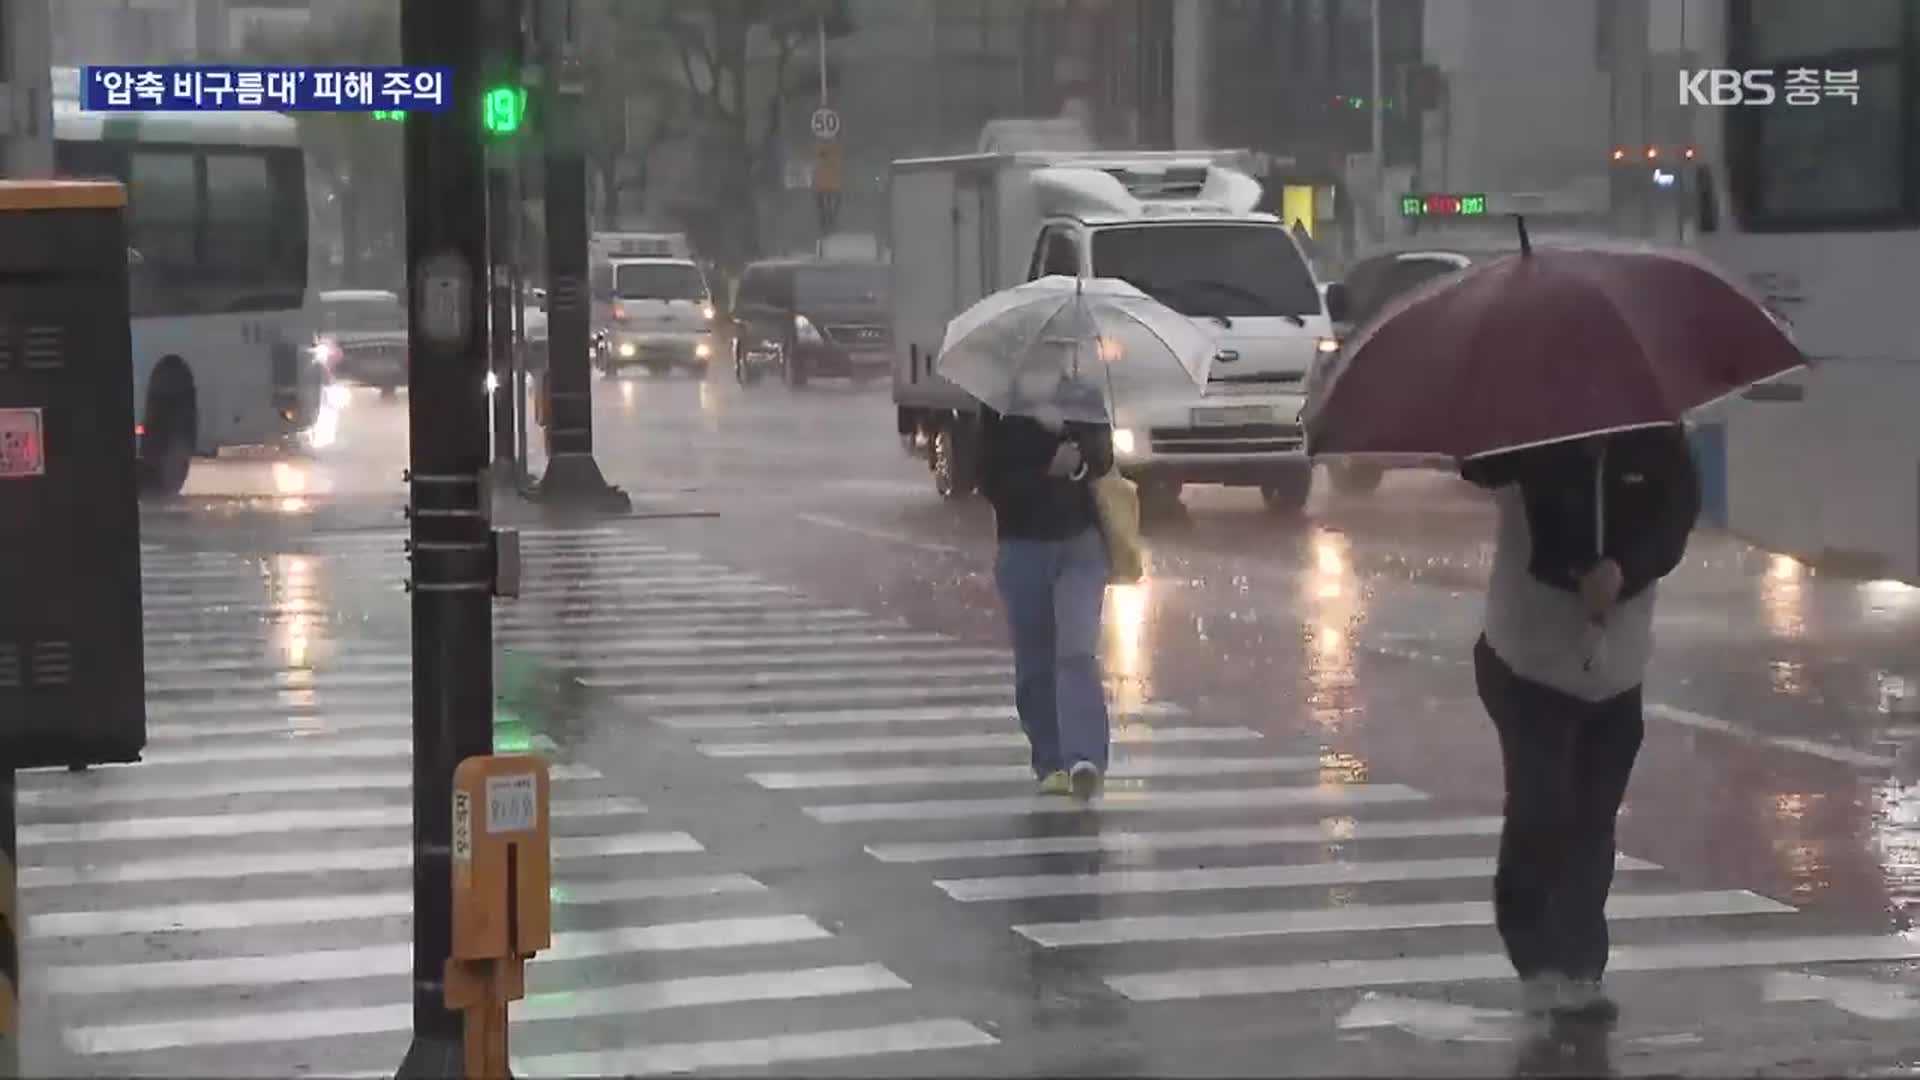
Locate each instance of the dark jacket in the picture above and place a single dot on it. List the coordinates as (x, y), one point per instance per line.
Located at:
(1652, 501)
(1027, 503)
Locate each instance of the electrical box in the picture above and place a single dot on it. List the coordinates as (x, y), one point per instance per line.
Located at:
(72, 676)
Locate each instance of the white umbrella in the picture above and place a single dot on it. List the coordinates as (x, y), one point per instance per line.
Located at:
(1061, 347)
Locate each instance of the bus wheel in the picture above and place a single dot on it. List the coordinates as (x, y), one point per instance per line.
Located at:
(166, 451)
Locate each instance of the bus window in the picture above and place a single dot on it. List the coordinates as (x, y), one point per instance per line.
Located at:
(164, 205)
(240, 238)
(287, 176)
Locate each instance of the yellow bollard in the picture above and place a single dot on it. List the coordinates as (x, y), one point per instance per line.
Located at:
(502, 912)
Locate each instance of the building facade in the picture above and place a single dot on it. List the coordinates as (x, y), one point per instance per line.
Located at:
(924, 77)
(1293, 80)
(26, 123)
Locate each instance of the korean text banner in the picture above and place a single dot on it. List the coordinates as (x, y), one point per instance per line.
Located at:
(232, 88)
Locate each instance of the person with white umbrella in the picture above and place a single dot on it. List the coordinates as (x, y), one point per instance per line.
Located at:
(1041, 359)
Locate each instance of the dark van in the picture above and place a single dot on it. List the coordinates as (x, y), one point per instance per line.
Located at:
(806, 318)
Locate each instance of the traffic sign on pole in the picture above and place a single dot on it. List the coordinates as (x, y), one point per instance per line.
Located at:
(827, 161)
(826, 124)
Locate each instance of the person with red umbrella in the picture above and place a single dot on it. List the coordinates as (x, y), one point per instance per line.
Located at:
(1586, 530)
(1560, 380)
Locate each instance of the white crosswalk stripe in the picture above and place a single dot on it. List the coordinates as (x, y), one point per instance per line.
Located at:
(1220, 861)
(259, 857)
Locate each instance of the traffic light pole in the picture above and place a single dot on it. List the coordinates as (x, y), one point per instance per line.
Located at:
(573, 473)
(504, 47)
(500, 338)
(451, 545)
(573, 476)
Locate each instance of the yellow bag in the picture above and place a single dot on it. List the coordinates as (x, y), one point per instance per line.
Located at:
(1117, 502)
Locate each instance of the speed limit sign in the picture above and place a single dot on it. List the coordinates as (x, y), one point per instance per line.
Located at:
(826, 123)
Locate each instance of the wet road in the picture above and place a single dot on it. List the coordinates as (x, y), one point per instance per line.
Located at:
(792, 832)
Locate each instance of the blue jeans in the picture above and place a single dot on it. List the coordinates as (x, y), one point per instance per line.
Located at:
(1054, 591)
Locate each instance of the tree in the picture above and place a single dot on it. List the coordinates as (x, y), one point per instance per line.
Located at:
(359, 158)
(637, 104)
(739, 65)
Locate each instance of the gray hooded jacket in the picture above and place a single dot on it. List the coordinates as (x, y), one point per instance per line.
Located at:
(1555, 526)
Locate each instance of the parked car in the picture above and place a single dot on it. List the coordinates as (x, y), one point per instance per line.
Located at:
(361, 337)
(810, 317)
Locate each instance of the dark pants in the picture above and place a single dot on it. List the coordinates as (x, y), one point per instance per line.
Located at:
(1566, 763)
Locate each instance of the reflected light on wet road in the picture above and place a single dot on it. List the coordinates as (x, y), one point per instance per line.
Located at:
(1783, 593)
(1897, 834)
(1129, 658)
(289, 479)
(710, 401)
(326, 425)
(1334, 605)
(1797, 842)
(291, 482)
(627, 397)
(292, 578)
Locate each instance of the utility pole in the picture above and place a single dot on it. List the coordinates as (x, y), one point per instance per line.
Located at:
(828, 157)
(573, 476)
(452, 544)
(506, 59)
(1379, 139)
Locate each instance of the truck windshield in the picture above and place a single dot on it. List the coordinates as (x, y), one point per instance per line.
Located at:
(658, 281)
(1210, 270)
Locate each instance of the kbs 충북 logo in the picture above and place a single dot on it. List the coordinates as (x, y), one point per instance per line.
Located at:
(1764, 86)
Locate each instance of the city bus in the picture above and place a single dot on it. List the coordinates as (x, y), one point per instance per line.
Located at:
(1817, 206)
(217, 269)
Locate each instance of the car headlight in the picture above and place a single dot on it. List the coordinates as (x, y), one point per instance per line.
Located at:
(706, 312)
(1328, 345)
(1123, 441)
(702, 350)
(804, 327)
(626, 349)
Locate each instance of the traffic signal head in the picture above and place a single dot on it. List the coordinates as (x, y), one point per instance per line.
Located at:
(504, 109)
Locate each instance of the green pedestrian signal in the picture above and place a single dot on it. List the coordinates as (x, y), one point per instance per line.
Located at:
(504, 109)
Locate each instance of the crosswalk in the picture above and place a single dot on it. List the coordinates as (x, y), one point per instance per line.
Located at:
(239, 903)
(1217, 865)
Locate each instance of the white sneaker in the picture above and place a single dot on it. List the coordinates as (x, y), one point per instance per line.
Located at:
(1085, 780)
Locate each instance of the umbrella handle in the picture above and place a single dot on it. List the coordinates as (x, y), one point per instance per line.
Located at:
(1600, 504)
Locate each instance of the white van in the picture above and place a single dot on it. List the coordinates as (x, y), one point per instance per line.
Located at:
(654, 313)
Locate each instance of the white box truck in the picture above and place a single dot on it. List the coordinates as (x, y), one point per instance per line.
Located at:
(1179, 226)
